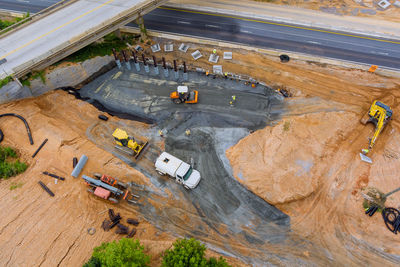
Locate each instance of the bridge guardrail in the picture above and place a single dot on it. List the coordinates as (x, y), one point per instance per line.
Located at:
(44, 12)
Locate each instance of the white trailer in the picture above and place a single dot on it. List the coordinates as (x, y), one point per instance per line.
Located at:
(182, 172)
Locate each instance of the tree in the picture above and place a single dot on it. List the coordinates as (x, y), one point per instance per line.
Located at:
(125, 253)
(188, 253)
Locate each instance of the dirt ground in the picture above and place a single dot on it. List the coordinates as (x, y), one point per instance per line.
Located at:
(38, 230)
(362, 8)
(330, 215)
(331, 212)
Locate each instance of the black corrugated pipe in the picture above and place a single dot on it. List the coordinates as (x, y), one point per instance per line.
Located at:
(175, 67)
(184, 67)
(163, 63)
(28, 130)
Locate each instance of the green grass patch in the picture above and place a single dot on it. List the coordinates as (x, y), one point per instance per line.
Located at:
(102, 48)
(7, 23)
(15, 185)
(26, 80)
(9, 163)
(286, 126)
(5, 81)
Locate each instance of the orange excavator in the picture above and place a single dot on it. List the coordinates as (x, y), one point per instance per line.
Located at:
(183, 95)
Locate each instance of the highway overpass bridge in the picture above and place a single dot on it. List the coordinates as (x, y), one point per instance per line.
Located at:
(63, 29)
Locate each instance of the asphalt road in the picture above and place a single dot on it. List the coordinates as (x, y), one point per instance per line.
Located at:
(285, 37)
(339, 45)
(26, 5)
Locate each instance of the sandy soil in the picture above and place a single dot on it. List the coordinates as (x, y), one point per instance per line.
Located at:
(332, 215)
(346, 7)
(37, 230)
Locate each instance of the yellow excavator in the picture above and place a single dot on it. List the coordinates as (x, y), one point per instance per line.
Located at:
(127, 143)
(379, 114)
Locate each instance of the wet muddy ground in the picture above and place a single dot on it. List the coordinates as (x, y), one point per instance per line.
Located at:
(220, 211)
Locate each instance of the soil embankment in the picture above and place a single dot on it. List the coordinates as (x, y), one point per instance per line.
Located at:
(37, 229)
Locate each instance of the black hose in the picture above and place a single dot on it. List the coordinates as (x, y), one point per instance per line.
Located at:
(390, 216)
(28, 130)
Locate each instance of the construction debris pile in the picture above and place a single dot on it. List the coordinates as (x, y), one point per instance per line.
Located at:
(115, 220)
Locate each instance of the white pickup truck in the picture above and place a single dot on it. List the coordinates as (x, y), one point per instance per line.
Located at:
(176, 168)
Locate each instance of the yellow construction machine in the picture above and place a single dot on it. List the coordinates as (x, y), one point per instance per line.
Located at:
(379, 114)
(127, 143)
(183, 95)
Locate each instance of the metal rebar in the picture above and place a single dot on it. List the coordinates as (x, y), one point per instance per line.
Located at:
(115, 54)
(154, 61)
(144, 59)
(134, 56)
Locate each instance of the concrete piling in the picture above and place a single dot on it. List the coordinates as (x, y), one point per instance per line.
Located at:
(185, 75)
(127, 63)
(176, 70)
(156, 70)
(146, 67)
(137, 66)
(116, 58)
(166, 74)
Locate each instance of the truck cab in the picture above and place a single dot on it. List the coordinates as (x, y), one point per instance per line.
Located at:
(182, 172)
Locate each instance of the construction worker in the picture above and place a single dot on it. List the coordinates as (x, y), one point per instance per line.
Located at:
(214, 51)
(365, 151)
(226, 75)
(232, 102)
(207, 73)
(187, 132)
(160, 132)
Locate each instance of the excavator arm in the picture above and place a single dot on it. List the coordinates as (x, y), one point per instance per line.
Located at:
(381, 114)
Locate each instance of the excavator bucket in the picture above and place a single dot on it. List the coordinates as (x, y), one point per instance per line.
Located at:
(365, 118)
(141, 149)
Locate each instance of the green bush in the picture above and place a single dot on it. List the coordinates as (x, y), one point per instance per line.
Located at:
(5, 81)
(9, 164)
(93, 262)
(7, 23)
(124, 253)
(188, 253)
(103, 48)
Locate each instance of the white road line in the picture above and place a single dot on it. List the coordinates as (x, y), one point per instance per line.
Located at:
(183, 22)
(212, 26)
(245, 31)
(312, 42)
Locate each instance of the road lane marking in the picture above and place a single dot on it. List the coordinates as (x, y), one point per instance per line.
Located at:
(329, 39)
(55, 29)
(279, 24)
(211, 26)
(183, 22)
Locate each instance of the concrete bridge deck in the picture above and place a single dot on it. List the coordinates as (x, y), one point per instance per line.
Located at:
(64, 31)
